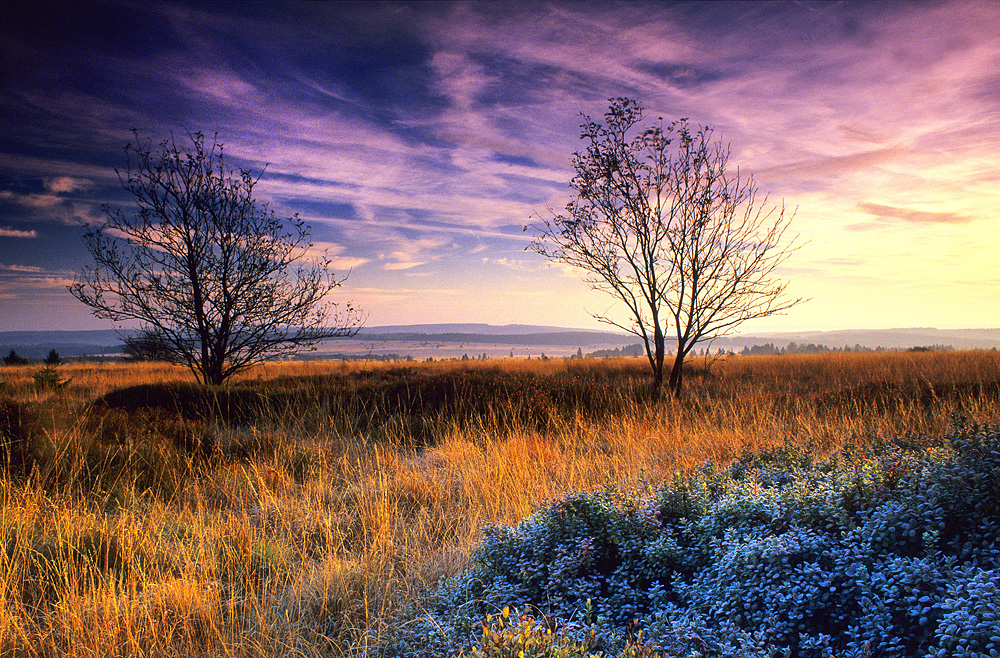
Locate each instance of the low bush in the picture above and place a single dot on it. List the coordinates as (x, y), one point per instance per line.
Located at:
(48, 378)
(190, 401)
(892, 549)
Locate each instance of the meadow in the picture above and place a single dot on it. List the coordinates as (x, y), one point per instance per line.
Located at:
(301, 510)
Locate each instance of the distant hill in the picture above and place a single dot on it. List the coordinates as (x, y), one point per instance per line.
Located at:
(538, 337)
(36, 344)
(475, 328)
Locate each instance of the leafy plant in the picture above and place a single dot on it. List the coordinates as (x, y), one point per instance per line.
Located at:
(526, 637)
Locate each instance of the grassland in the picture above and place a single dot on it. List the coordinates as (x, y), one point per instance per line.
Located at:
(296, 511)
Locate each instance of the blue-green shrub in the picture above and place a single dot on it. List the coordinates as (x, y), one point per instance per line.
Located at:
(888, 550)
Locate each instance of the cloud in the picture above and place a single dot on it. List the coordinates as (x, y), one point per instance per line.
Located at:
(36, 166)
(913, 216)
(65, 184)
(20, 268)
(832, 165)
(860, 134)
(404, 265)
(414, 253)
(52, 207)
(83, 214)
(517, 264)
(29, 282)
(8, 232)
(222, 86)
(31, 200)
(841, 261)
(347, 262)
(334, 251)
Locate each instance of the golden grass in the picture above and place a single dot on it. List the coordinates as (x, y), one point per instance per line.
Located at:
(308, 542)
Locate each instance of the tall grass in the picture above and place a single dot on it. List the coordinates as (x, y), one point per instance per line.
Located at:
(294, 512)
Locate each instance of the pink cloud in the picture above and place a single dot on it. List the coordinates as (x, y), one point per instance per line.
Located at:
(20, 268)
(65, 184)
(913, 216)
(8, 232)
(832, 165)
(31, 200)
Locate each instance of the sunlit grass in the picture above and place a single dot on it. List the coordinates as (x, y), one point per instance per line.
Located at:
(300, 528)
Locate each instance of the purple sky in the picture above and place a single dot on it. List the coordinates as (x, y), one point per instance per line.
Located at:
(419, 138)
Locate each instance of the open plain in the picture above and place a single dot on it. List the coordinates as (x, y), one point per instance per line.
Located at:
(298, 510)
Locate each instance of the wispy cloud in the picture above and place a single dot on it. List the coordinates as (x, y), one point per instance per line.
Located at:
(913, 216)
(8, 232)
(403, 265)
(20, 268)
(66, 184)
(31, 200)
(833, 165)
(35, 282)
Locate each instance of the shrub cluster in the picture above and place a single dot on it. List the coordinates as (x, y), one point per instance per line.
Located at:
(888, 550)
(418, 403)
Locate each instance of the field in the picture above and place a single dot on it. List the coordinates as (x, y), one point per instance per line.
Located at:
(300, 510)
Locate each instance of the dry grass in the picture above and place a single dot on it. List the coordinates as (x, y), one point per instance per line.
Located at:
(306, 526)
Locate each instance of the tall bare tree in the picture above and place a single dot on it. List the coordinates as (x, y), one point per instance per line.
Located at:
(216, 278)
(615, 226)
(725, 243)
(657, 223)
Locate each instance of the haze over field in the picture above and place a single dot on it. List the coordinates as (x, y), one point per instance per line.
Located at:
(418, 139)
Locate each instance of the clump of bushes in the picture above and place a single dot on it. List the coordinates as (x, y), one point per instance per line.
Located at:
(892, 549)
(419, 404)
(424, 400)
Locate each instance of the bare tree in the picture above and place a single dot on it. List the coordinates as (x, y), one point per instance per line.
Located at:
(725, 244)
(668, 233)
(218, 280)
(614, 227)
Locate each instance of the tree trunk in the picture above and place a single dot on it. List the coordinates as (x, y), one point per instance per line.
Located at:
(677, 374)
(658, 351)
(213, 374)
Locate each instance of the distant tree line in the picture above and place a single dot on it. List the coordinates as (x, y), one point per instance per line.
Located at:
(770, 349)
(15, 359)
(626, 350)
(813, 348)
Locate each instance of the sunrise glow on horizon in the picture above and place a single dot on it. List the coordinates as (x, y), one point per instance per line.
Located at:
(419, 139)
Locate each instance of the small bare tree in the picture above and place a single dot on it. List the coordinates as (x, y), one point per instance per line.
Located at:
(217, 280)
(668, 233)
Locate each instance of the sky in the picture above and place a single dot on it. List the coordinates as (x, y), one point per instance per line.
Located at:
(420, 139)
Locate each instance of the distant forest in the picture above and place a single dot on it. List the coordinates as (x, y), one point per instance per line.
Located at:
(768, 349)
